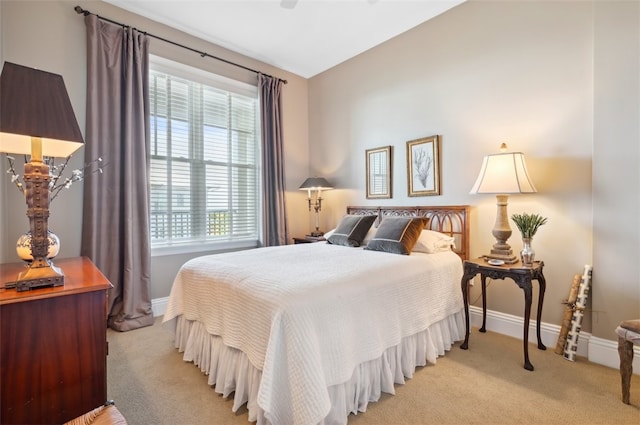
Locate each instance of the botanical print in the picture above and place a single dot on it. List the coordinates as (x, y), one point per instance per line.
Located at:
(423, 166)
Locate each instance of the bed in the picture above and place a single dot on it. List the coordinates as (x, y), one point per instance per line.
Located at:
(309, 333)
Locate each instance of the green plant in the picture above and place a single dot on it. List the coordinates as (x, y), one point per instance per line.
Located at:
(528, 224)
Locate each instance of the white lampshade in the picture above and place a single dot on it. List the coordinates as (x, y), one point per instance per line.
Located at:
(503, 173)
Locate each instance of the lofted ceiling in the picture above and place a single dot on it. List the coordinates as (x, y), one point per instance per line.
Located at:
(305, 37)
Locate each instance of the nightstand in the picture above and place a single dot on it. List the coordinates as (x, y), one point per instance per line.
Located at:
(308, 239)
(522, 276)
(53, 345)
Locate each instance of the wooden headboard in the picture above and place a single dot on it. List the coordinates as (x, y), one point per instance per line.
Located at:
(453, 221)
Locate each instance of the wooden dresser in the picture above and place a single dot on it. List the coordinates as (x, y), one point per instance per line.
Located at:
(53, 345)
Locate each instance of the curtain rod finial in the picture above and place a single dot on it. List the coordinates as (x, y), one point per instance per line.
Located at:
(81, 11)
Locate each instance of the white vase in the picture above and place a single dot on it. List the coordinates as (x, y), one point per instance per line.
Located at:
(23, 246)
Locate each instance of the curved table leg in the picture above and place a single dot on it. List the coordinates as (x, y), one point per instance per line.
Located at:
(543, 285)
(465, 298)
(527, 315)
(484, 303)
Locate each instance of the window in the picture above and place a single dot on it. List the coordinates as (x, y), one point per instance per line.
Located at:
(204, 159)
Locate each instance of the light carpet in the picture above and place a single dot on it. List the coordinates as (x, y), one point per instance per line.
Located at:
(152, 385)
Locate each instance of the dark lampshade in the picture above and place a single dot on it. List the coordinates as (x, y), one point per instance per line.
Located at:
(315, 183)
(35, 103)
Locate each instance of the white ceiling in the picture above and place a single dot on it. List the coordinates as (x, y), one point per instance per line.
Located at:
(306, 39)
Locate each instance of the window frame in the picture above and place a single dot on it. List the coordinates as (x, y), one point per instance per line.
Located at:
(180, 70)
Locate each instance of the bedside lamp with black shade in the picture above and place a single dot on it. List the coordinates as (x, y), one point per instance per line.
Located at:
(317, 185)
(37, 119)
(503, 174)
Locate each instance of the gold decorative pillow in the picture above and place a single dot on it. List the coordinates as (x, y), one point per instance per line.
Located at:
(397, 235)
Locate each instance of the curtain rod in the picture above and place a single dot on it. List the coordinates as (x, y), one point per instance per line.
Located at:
(81, 11)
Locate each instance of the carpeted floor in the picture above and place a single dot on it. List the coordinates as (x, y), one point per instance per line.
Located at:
(486, 384)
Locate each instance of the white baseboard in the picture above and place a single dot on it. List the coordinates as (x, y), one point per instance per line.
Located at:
(159, 306)
(507, 324)
(596, 350)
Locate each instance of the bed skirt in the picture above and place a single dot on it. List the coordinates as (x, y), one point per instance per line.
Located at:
(230, 371)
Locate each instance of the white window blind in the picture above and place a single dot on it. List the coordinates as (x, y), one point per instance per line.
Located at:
(204, 159)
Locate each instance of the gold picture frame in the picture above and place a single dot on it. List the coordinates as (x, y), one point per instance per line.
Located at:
(379, 175)
(423, 166)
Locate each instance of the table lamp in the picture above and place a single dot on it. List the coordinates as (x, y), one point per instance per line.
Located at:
(36, 119)
(503, 174)
(316, 184)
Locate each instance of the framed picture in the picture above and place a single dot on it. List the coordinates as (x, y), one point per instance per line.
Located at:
(379, 173)
(423, 166)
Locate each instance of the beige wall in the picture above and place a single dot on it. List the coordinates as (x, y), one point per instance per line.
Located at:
(51, 36)
(616, 165)
(481, 74)
(555, 80)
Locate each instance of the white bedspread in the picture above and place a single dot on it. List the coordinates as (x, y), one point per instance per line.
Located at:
(306, 315)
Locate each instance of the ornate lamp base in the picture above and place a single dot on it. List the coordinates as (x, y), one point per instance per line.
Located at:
(504, 255)
(41, 272)
(38, 277)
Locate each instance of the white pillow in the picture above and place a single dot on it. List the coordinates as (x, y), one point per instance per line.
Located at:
(329, 233)
(431, 242)
(370, 234)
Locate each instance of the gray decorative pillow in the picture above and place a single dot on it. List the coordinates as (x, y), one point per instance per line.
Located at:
(397, 235)
(351, 230)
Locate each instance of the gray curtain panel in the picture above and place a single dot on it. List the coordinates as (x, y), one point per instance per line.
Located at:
(115, 228)
(275, 227)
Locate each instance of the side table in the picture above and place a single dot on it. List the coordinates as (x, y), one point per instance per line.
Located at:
(308, 239)
(53, 345)
(522, 276)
